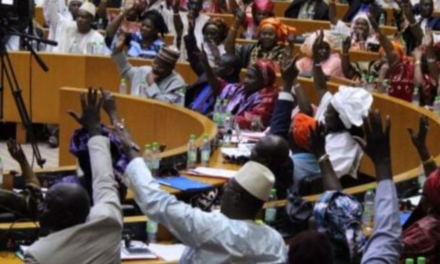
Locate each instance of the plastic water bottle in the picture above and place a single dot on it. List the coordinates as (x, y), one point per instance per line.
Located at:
(422, 177)
(155, 164)
(415, 97)
(270, 214)
(364, 81)
(152, 228)
(436, 105)
(368, 214)
(216, 113)
(1, 172)
(206, 151)
(143, 88)
(227, 124)
(123, 86)
(74, 49)
(148, 156)
(371, 85)
(421, 260)
(382, 21)
(191, 153)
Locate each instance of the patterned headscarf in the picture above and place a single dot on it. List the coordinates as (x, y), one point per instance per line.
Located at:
(267, 70)
(339, 216)
(282, 31)
(306, 47)
(432, 189)
(263, 6)
(301, 125)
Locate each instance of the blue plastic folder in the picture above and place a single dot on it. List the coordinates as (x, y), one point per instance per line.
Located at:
(183, 183)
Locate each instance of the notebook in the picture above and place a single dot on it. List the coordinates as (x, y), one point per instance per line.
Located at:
(183, 183)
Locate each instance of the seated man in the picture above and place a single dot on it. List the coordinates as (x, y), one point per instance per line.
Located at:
(75, 36)
(158, 81)
(229, 236)
(78, 233)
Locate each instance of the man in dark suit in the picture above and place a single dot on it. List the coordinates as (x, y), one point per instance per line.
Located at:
(367, 6)
(316, 9)
(424, 9)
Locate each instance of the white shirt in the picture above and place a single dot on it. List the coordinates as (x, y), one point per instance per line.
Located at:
(344, 152)
(63, 10)
(210, 237)
(66, 33)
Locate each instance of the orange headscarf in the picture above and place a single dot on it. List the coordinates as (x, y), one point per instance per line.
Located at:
(301, 125)
(282, 31)
(397, 46)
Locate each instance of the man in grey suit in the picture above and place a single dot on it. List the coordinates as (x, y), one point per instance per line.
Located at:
(78, 233)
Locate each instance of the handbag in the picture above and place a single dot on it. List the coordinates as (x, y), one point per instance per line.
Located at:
(402, 81)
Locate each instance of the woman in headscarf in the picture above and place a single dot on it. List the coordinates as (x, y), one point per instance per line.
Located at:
(128, 20)
(214, 34)
(363, 36)
(421, 232)
(252, 99)
(330, 61)
(261, 9)
(272, 39)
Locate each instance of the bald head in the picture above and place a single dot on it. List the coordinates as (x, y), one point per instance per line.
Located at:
(66, 205)
(271, 151)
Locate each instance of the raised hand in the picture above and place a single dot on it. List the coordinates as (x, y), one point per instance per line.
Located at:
(240, 16)
(317, 139)
(374, 23)
(129, 6)
(346, 45)
(317, 45)
(176, 6)
(191, 23)
(419, 139)
(90, 117)
(214, 51)
(15, 151)
(427, 38)
(109, 105)
(203, 57)
(130, 148)
(377, 139)
(289, 71)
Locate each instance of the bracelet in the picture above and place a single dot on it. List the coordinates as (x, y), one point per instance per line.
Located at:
(323, 158)
(431, 159)
(417, 62)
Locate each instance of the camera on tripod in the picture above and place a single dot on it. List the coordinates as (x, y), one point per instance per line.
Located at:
(15, 15)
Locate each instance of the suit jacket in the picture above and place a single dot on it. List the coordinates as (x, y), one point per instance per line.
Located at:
(355, 5)
(321, 10)
(98, 240)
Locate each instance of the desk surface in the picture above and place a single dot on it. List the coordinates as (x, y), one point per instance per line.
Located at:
(10, 258)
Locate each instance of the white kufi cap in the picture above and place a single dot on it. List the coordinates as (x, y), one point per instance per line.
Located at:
(255, 178)
(89, 8)
(70, 1)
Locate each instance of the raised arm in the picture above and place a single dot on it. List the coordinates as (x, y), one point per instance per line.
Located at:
(317, 137)
(392, 55)
(348, 69)
(419, 141)
(125, 68)
(190, 225)
(54, 11)
(210, 74)
(430, 55)
(232, 33)
(418, 72)
(102, 9)
(319, 79)
(385, 245)
(177, 21)
(415, 28)
(17, 153)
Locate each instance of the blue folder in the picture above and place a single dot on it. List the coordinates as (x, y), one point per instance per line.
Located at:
(183, 183)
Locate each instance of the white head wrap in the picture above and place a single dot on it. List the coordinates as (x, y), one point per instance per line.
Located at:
(352, 105)
(89, 8)
(255, 178)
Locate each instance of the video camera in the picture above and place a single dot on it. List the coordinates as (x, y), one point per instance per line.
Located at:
(16, 15)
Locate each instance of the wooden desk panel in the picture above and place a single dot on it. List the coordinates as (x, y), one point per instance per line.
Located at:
(64, 70)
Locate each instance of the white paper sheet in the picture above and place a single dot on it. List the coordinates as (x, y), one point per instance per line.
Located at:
(168, 252)
(212, 172)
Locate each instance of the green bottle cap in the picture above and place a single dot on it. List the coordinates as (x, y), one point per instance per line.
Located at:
(409, 261)
(155, 144)
(123, 80)
(421, 260)
(147, 146)
(371, 188)
(192, 136)
(273, 191)
(259, 222)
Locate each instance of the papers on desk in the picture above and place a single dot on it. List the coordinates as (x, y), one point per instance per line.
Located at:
(183, 184)
(246, 136)
(168, 252)
(137, 250)
(212, 172)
